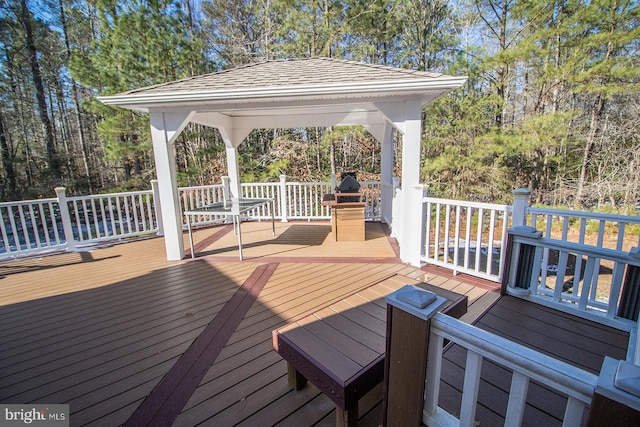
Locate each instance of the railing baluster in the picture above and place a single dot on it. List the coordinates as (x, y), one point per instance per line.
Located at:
(589, 271)
(472, 372)
(456, 247)
(562, 268)
(36, 233)
(467, 238)
(434, 370)
(573, 413)
(476, 267)
(436, 255)
(616, 288)
(427, 243)
(447, 230)
(25, 229)
(492, 226)
(517, 399)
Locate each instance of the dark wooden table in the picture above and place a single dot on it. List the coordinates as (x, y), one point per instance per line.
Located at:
(340, 348)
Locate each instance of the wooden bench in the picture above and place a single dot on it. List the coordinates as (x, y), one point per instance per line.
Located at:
(340, 348)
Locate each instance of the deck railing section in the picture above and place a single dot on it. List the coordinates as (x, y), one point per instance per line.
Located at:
(196, 197)
(111, 216)
(466, 237)
(304, 200)
(38, 226)
(527, 365)
(30, 226)
(594, 282)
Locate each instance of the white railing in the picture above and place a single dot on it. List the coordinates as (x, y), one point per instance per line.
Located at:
(578, 278)
(466, 237)
(31, 226)
(39, 226)
(292, 200)
(102, 217)
(195, 197)
(304, 200)
(608, 230)
(526, 364)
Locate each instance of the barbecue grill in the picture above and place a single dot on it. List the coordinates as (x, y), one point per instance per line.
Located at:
(349, 184)
(347, 211)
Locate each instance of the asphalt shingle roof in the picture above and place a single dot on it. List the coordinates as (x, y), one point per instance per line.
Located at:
(287, 73)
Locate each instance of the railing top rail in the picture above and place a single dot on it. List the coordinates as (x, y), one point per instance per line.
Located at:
(270, 183)
(28, 202)
(632, 258)
(199, 187)
(562, 376)
(102, 196)
(463, 203)
(632, 219)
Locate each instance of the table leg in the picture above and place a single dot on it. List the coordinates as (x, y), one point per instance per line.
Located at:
(193, 255)
(347, 417)
(273, 223)
(239, 236)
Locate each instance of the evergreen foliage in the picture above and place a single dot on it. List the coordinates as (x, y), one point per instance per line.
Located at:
(551, 101)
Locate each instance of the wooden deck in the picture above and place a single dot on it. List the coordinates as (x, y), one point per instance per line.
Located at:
(124, 336)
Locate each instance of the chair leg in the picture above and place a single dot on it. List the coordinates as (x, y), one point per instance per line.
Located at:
(347, 417)
(296, 379)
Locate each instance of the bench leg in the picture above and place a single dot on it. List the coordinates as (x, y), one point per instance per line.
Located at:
(347, 417)
(296, 379)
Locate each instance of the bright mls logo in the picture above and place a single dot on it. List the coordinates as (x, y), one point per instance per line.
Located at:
(34, 415)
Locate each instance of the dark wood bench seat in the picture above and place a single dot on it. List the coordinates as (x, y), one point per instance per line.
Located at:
(340, 348)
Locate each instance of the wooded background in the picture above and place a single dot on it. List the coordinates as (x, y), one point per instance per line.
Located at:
(551, 102)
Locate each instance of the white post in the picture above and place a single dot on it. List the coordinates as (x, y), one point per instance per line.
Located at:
(334, 183)
(226, 187)
(520, 204)
(65, 216)
(386, 173)
(410, 251)
(234, 171)
(396, 208)
(283, 197)
(165, 127)
(156, 204)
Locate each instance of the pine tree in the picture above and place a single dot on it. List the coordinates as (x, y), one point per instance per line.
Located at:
(144, 43)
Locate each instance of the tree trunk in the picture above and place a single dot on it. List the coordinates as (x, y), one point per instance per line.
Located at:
(52, 157)
(7, 162)
(596, 112)
(76, 101)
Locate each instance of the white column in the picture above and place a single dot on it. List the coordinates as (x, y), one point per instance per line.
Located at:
(411, 216)
(234, 171)
(165, 127)
(386, 172)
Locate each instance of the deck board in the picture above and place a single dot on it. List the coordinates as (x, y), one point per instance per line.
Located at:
(100, 329)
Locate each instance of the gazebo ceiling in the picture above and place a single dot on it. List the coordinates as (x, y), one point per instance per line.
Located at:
(299, 86)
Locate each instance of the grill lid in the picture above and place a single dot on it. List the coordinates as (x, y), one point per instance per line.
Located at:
(349, 185)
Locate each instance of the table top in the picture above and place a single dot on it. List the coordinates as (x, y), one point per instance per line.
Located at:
(233, 206)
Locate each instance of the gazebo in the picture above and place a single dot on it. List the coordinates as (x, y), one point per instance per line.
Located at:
(293, 93)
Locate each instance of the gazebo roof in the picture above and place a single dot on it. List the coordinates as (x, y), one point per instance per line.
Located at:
(294, 79)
